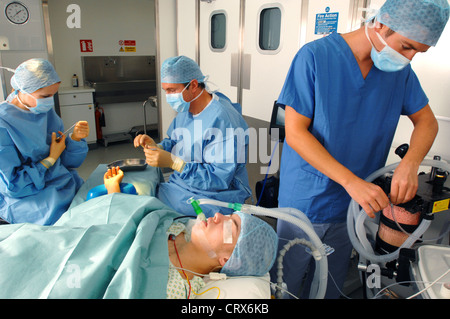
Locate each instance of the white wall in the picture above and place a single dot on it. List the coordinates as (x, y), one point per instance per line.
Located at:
(186, 28)
(22, 42)
(105, 22)
(433, 71)
(2, 94)
(167, 47)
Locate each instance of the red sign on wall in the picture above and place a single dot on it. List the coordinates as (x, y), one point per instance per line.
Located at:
(86, 46)
(129, 42)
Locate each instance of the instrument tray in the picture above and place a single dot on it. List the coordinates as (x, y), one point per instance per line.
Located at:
(130, 164)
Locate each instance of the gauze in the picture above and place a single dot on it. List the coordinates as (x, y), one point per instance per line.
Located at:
(228, 231)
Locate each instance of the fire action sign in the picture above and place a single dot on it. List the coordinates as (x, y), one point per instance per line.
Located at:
(327, 22)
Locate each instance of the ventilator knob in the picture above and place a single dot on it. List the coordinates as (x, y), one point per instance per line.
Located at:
(401, 150)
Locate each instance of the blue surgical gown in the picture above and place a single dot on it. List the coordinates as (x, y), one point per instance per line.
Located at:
(213, 144)
(29, 192)
(353, 118)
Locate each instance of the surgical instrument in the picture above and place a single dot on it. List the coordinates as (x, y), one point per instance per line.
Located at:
(67, 131)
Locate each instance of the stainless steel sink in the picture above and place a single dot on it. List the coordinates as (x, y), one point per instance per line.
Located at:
(123, 91)
(118, 79)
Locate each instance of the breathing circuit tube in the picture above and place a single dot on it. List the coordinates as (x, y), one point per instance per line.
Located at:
(299, 219)
(356, 218)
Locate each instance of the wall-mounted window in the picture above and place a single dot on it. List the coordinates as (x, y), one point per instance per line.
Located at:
(218, 30)
(269, 29)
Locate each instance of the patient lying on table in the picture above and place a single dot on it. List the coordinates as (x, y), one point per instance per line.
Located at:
(128, 246)
(237, 245)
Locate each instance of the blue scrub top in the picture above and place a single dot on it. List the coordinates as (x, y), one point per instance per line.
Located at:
(213, 144)
(30, 193)
(353, 118)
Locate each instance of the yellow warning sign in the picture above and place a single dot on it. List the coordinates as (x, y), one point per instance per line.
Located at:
(127, 45)
(441, 205)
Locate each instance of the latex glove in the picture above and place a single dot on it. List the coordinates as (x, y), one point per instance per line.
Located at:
(143, 140)
(157, 157)
(58, 145)
(112, 179)
(81, 130)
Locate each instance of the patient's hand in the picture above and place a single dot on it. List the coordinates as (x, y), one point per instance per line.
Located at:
(112, 179)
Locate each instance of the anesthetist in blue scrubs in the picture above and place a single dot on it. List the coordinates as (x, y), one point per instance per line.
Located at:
(37, 165)
(344, 95)
(206, 144)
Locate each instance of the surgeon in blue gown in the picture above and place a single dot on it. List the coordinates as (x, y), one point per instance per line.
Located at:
(37, 175)
(344, 95)
(206, 144)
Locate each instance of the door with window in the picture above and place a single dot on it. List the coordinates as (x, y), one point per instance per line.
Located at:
(271, 40)
(247, 46)
(219, 44)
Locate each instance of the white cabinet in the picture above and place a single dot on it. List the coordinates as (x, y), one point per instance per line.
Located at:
(77, 104)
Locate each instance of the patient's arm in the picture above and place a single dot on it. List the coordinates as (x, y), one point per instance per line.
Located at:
(112, 179)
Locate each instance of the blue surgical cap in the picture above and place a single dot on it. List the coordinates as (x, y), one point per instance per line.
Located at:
(419, 20)
(180, 69)
(34, 74)
(255, 250)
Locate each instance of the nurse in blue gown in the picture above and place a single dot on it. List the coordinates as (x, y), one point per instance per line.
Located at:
(37, 167)
(206, 144)
(344, 95)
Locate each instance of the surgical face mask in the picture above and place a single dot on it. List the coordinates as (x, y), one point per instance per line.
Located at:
(42, 105)
(387, 60)
(177, 102)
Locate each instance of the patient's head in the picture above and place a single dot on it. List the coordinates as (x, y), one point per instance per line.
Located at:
(248, 247)
(255, 250)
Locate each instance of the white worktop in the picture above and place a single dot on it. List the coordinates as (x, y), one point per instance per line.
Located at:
(80, 89)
